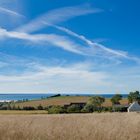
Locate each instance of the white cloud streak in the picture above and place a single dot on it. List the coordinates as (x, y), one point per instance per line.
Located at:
(64, 42)
(90, 43)
(55, 40)
(10, 12)
(56, 16)
(63, 14)
(97, 47)
(67, 44)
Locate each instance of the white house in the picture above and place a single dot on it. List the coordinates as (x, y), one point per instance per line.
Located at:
(134, 107)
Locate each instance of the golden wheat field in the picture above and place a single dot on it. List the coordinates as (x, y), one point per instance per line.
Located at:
(104, 126)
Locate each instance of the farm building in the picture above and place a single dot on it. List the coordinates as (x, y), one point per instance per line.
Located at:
(134, 107)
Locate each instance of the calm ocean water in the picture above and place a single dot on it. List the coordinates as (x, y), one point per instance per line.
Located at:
(9, 97)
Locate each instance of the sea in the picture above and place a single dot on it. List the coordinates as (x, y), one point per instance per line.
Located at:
(19, 97)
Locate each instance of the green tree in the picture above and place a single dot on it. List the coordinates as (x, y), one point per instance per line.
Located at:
(94, 104)
(97, 101)
(134, 96)
(116, 99)
(88, 108)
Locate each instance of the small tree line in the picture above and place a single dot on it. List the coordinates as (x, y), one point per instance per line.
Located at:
(94, 104)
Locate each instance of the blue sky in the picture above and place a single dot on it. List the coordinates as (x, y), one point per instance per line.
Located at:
(69, 46)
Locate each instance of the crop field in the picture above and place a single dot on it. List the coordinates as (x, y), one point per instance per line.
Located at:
(22, 112)
(101, 126)
(63, 100)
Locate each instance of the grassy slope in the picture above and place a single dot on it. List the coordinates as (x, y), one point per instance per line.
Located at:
(63, 100)
(104, 126)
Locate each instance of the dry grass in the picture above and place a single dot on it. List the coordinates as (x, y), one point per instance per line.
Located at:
(22, 112)
(63, 100)
(104, 126)
(54, 101)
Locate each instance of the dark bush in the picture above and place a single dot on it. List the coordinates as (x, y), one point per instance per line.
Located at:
(116, 99)
(28, 108)
(56, 110)
(40, 107)
(74, 109)
(120, 109)
(107, 109)
(57, 95)
(18, 108)
(4, 108)
(88, 108)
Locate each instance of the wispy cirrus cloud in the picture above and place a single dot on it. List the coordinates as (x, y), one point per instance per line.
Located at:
(53, 16)
(57, 16)
(10, 12)
(89, 42)
(90, 48)
(66, 13)
(64, 42)
(96, 47)
(55, 40)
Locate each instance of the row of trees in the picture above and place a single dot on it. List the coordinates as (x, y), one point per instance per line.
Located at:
(97, 101)
(132, 97)
(8, 106)
(95, 105)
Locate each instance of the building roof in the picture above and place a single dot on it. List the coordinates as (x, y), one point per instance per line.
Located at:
(134, 107)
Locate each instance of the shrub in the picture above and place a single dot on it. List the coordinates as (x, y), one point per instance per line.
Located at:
(18, 108)
(120, 109)
(57, 95)
(74, 109)
(40, 107)
(107, 109)
(56, 110)
(88, 108)
(28, 108)
(3, 108)
(116, 99)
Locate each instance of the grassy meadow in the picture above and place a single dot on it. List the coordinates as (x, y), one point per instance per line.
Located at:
(96, 126)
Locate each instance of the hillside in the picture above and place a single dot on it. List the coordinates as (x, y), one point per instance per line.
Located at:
(62, 100)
